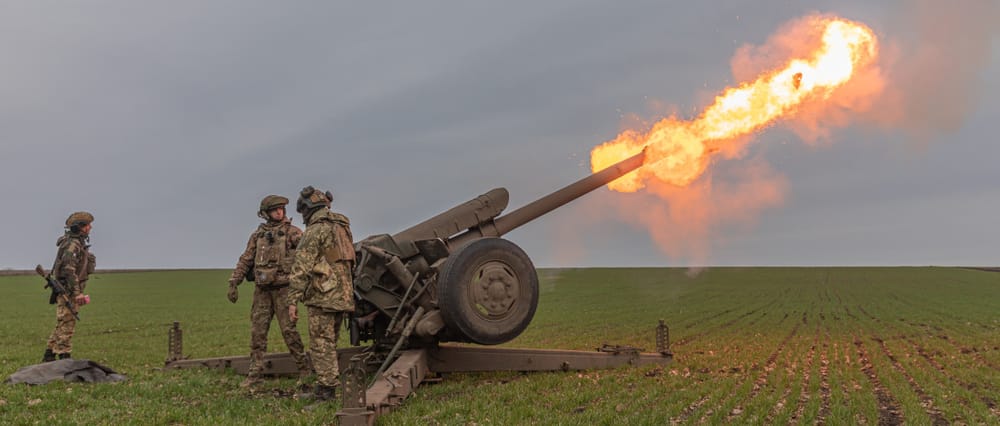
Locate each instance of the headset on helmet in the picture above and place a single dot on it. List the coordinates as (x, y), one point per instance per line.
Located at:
(311, 198)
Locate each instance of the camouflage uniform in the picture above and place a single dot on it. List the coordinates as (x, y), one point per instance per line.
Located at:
(321, 279)
(269, 255)
(72, 268)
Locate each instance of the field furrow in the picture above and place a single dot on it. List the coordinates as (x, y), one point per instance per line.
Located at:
(889, 409)
(724, 325)
(761, 380)
(925, 400)
(807, 375)
(963, 391)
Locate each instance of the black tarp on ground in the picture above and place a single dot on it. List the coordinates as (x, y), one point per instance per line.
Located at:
(70, 370)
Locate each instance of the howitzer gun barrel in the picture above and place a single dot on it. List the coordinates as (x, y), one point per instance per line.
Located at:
(561, 197)
(541, 206)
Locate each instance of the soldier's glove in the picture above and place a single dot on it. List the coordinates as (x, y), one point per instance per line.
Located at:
(234, 294)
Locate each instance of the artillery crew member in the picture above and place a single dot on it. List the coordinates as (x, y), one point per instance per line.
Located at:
(321, 279)
(267, 261)
(72, 268)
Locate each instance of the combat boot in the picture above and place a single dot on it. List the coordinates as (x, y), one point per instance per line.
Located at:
(302, 385)
(49, 356)
(65, 356)
(319, 393)
(324, 393)
(250, 382)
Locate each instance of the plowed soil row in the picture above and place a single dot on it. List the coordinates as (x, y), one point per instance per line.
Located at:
(970, 350)
(768, 366)
(986, 399)
(709, 318)
(889, 412)
(725, 325)
(800, 406)
(925, 400)
(936, 416)
(762, 378)
(689, 410)
(824, 374)
(949, 316)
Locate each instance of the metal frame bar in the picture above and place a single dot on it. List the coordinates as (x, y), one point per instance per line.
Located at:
(275, 364)
(414, 366)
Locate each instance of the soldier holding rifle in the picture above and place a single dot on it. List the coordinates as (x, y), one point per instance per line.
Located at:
(68, 278)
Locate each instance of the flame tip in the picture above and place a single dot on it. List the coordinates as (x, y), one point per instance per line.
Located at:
(676, 150)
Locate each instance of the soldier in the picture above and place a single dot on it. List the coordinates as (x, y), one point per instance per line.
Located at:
(321, 279)
(267, 261)
(72, 268)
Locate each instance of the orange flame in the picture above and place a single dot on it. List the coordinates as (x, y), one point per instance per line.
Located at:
(680, 151)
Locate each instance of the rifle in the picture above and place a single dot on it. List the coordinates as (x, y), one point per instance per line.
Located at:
(58, 291)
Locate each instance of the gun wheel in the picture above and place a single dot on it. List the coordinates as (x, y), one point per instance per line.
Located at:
(488, 291)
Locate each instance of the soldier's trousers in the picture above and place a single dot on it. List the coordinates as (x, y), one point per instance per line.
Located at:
(324, 330)
(268, 303)
(60, 340)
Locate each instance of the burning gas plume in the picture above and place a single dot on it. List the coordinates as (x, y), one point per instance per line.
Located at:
(811, 73)
(679, 151)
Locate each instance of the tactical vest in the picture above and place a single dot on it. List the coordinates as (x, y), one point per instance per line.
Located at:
(84, 263)
(343, 248)
(331, 280)
(88, 271)
(273, 262)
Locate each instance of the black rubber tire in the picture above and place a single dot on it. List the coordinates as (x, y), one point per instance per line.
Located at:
(488, 291)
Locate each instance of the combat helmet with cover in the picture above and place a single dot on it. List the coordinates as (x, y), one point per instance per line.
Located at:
(78, 220)
(311, 199)
(269, 203)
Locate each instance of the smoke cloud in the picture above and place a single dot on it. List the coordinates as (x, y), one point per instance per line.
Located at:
(937, 54)
(683, 220)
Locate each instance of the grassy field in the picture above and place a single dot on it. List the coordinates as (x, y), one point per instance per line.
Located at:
(752, 345)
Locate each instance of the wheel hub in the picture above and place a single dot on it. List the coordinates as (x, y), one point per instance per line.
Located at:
(494, 289)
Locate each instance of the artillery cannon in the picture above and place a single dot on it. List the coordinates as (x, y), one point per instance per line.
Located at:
(450, 278)
(472, 285)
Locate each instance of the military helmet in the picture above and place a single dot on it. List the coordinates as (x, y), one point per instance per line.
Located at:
(79, 219)
(271, 202)
(311, 198)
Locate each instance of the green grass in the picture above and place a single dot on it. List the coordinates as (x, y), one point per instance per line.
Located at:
(752, 345)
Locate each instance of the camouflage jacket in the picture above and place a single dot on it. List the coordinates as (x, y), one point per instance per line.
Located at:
(74, 263)
(321, 274)
(269, 253)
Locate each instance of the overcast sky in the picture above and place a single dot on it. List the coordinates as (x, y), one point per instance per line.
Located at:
(171, 120)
